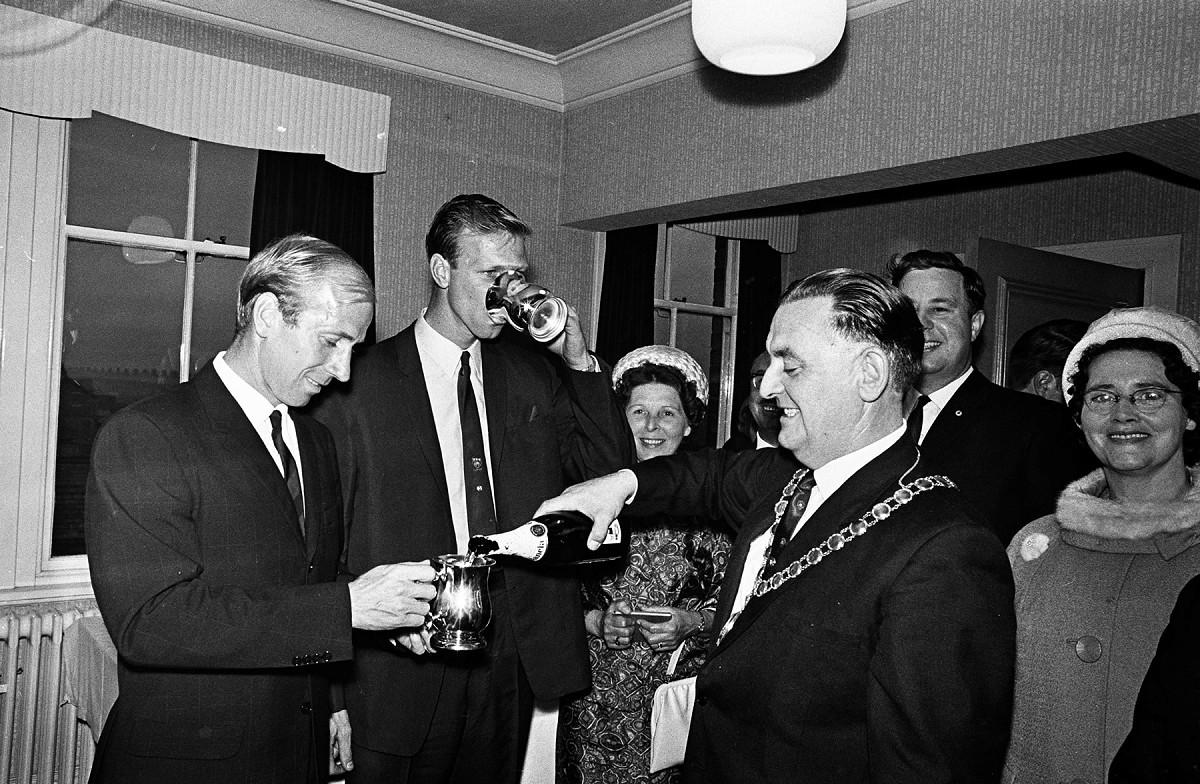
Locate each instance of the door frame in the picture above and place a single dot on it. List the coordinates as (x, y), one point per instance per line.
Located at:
(1159, 257)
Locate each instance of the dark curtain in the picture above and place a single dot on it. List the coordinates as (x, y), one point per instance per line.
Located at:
(298, 192)
(759, 287)
(627, 294)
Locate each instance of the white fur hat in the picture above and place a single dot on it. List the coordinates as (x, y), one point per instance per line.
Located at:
(668, 356)
(1147, 322)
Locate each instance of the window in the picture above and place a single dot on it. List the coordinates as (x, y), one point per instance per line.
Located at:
(695, 308)
(157, 235)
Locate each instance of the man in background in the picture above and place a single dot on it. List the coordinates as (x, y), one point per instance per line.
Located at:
(758, 417)
(1035, 363)
(1010, 454)
(865, 628)
(213, 532)
(449, 431)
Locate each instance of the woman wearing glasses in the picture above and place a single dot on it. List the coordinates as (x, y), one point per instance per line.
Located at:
(1096, 581)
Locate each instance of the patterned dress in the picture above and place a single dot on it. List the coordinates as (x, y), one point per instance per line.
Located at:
(604, 735)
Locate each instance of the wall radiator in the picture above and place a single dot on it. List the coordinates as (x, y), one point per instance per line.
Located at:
(40, 736)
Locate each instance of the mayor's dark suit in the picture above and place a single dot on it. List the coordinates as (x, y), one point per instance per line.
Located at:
(1010, 453)
(546, 429)
(890, 660)
(222, 613)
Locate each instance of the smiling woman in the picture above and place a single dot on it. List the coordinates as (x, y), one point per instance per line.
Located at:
(1105, 569)
(661, 601)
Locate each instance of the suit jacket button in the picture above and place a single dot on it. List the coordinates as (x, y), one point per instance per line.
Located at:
(701, 700)
(1088, 649)
(295, 661)
(306, 708)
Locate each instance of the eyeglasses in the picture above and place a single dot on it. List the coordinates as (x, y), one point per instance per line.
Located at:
(756, 380)
(1147, 401)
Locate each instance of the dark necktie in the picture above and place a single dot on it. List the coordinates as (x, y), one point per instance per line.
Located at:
(791, 518)
(481, 514)
(916, 420)
(289, 465)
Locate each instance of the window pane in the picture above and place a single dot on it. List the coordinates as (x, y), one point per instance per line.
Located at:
(224, 193)
(121, 334)
(214, 314)
(702, 337)
(693, 263)
(127, 177)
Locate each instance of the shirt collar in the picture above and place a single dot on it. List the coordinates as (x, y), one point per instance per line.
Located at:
(442, 351)
(252, 402)
(943, 395)
(834, 474)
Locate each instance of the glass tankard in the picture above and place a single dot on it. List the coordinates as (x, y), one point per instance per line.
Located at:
(462, 608)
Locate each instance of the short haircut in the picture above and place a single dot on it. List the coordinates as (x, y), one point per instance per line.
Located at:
(902, 264)
(1174, 368)
(292, 268)
(1044, 347)
(867, 308)
(653, 373)
(470, 213)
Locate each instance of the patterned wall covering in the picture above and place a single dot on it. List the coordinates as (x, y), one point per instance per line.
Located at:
(923, 81)
(1088, 208)
(444, 140)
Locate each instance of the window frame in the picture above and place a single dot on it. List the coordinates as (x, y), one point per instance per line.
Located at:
(39, 232)
(727, 313)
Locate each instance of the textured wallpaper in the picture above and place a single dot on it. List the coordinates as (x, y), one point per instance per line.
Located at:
(1064, 209)
(924, 81)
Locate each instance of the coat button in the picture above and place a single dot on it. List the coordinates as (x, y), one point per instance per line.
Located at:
(701, 700)
(306, 708)
(1088, 649)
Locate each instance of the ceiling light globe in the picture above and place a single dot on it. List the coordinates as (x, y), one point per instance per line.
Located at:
(767, 37)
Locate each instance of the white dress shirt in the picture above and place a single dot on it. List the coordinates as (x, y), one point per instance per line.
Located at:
(440, 362)
(829, 478)
(939, 400)
(258, 410)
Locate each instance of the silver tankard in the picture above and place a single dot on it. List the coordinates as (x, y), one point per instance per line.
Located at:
(462, 608)
(527, 307)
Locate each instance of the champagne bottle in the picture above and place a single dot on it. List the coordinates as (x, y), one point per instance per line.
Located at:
(555, 538)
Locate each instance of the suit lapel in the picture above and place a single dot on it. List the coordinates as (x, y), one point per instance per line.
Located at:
(309, 462)
(412, 397)
(867, 487)
(738, 564)
(962, 408)
(234, 433)
(495, 393)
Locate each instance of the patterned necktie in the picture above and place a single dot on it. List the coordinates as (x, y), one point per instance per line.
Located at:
(791, 518)
(916, 420)
(289, 465)
(481, 514)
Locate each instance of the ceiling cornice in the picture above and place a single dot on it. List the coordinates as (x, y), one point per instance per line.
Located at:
(649, 51)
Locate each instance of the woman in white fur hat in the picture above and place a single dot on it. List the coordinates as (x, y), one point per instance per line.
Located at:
(1096, 581)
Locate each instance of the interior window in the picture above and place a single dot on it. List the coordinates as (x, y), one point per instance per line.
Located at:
(158, 231)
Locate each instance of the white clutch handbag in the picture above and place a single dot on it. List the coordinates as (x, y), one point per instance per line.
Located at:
(671, 718)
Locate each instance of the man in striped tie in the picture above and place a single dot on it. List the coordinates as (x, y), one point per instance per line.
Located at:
(865, 628)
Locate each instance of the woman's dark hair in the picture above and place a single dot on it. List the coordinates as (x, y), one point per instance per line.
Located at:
(651, 373)
(1175, 369)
